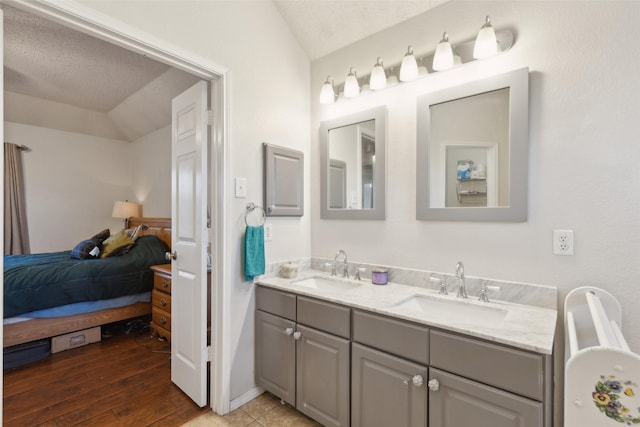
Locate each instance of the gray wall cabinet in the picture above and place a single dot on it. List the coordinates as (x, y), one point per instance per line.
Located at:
(306, 367)
(353, 367)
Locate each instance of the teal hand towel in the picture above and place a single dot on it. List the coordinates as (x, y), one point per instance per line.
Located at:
(253, 252)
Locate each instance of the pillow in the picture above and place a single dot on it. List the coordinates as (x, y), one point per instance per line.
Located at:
(87, 249)
(103, 235)
(114, 245)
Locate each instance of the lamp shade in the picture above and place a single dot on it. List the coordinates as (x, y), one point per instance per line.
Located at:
(327, 94)
(443, 58)
(125, 209)
(409, 67)
(351, 86)
(486, 44)
(378, 78)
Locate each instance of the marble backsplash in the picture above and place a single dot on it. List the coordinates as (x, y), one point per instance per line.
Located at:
(499, 290)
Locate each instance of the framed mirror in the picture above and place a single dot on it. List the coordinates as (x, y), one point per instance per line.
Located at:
(472, 145)
(353, 167)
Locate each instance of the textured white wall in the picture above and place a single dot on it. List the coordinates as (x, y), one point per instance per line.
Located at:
(269, 102)
(583, 150)
(150, 158)
(71, 182)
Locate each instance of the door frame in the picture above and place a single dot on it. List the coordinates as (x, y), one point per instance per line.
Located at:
(93, 23)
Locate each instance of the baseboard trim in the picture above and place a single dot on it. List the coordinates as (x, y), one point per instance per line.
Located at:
(246, 397)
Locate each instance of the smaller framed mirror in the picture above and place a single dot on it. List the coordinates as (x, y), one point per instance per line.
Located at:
(472, 145)
(353, 166)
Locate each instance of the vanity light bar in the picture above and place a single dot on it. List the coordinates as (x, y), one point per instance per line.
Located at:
(446, 56)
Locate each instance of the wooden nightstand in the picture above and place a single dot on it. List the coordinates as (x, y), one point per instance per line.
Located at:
(161, 301)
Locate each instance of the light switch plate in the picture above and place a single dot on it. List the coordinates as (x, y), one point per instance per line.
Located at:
(241, 187)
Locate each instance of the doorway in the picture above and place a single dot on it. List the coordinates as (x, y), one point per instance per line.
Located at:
(94, 24)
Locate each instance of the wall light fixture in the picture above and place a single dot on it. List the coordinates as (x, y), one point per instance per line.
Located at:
(487, 43)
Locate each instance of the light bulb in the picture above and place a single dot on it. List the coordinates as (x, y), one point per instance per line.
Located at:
(378, 79)
(486, 44)
(409, 67)
(443, 58)
(327, 94)
(351, 86)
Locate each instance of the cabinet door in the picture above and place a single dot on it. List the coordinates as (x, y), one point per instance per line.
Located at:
(459, 402)
(276, 356)
(323, 377)
(383, 393)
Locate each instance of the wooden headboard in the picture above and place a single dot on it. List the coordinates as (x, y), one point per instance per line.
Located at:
(159, 227)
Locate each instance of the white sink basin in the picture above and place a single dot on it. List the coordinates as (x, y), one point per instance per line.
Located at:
(449, 310)
(327, 284)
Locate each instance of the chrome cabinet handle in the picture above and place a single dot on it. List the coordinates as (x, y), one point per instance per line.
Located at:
(433, 384)
(297, 335)
(288, 331)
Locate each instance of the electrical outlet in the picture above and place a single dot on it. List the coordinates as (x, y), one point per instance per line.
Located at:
(563, 242)
(268, 231)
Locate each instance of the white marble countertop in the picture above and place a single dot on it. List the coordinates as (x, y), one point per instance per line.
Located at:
(523, 326)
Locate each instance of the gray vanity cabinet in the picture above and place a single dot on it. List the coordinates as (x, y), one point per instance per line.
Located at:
(460, 402)
(383, 393)
(303, 354)
(276, 356)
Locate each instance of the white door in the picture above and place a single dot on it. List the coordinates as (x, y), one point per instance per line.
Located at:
(189, 143)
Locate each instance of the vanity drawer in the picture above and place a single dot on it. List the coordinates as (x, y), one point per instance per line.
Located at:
(276, 302)
(325, 316)
(503, 367)
(393, 336)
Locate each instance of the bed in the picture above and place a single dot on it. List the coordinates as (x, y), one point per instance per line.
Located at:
(17, 330)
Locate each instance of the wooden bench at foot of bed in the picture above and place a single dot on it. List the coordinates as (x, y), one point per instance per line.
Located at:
(36, 329)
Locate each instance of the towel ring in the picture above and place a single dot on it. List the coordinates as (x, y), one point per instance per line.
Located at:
(250, 208)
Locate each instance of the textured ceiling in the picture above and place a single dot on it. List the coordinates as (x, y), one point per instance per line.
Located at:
(324, 26)
(45, 60)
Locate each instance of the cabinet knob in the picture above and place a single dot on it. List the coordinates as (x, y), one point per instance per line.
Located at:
(163, 302)
(288, 331)
(433, 385)
(163, 320)
(297, 335)
(417, 380)
(165, 283)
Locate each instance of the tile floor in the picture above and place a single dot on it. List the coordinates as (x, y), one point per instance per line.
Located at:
(263, 411)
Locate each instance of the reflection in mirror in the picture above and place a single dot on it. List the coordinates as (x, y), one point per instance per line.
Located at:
(351, 156)
(469, 164)
(472, 146)
(353, 166)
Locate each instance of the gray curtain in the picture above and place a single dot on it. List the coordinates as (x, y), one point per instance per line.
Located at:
(16, 234)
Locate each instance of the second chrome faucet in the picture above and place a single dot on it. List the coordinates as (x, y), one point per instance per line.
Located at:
(462, 289)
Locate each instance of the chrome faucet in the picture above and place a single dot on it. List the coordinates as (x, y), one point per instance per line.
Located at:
(462, 290)
(345, 270)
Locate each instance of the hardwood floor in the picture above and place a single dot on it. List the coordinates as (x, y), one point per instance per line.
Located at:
(124, 380)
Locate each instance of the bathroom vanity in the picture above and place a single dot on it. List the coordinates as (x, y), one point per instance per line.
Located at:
(353, 353)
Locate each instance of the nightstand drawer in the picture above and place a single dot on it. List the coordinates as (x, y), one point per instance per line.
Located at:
(162, 283)
(161, 300)
(161, 318)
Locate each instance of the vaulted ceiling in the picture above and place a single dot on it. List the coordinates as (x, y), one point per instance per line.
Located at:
(48, 61)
